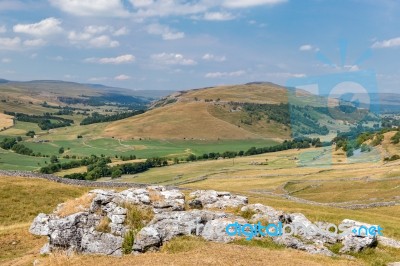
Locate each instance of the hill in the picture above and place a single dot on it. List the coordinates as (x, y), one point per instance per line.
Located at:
(28, 97)
(249, 111)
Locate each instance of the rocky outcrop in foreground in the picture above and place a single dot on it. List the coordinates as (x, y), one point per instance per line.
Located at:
(143, 219)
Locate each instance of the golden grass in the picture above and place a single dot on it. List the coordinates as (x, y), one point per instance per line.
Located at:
(23, 198)
(177, 121)
(6, 121)
(204, 253)
(75, 205)
(104, 225)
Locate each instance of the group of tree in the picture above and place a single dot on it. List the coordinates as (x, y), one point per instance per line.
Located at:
(13, 144)
(45, 122)
(296, 143)
(98, 167)
(99, 118)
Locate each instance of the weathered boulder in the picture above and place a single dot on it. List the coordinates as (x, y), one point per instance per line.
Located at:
(167, 225)
(263, 212)
(94, 242)
(40, 225)
(101, 227)
(295, 243)
(215, 230)
(211, 199)
(355, 243)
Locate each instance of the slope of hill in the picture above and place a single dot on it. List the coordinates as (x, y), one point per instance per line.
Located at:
(28, 96)
(254, 110)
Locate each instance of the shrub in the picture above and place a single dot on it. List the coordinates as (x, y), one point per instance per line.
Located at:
(137, 217)
(129, 239)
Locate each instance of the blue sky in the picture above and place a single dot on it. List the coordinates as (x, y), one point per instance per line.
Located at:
(183, 44)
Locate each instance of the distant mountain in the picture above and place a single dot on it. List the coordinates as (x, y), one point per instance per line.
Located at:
(382, 102)
(58, 86)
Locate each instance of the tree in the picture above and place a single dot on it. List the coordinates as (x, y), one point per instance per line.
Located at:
(116, 173)
(19, 138)
(53, 159)
(61, 150)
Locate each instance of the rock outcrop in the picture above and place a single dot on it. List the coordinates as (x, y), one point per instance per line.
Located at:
(103, 225)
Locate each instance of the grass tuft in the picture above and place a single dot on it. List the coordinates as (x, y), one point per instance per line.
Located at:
(104, 225)
(75, 205)
(183, 244)
(137, 217)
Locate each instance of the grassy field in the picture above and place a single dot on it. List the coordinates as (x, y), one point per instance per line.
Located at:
(18, 247)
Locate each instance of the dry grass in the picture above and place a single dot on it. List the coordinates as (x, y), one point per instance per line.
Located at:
(155, 195)
(177, 121)
(104, 225)
(76, 205)
(204, 254)
(23, 198)
(5, 121)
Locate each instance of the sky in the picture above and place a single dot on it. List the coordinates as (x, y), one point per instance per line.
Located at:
(186, 44)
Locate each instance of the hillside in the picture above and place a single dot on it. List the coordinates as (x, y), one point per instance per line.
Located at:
(249, 111)
(28, 97)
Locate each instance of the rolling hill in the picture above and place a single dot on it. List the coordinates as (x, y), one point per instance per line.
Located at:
(249, 111)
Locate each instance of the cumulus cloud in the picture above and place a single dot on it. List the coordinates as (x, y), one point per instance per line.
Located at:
(164, 31)
(308, 47)
(121, 31)
(6, 60)
(103, 41)
(387, 43)
(218, 16)
(172, 59)
(10, 43)
(96, 36)
(105, 8)
(45, 27)
(122, 77)
(3, 29)
(250, 3)
(97, 79)
(225, 74)
(123, 59)
(34, 43)
(211, 57)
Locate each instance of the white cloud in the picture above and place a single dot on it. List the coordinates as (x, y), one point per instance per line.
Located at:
(306, 47)
(286, 75)
(103, 41)
(387, 43)
(218, 16)
(104, 8)
(121, 31)
(34, 43)
(165, 32)
(6, 60)
(45, 27)
(122, 77)
(10, 43)
(93, 29)
(250, 3)
(351, 67)
(211, 57)
(123, 59)
(96, 79)
(3, 29)
(172, 59)
(93, 36)
(141, 3)
(74, 36)
(225, 74)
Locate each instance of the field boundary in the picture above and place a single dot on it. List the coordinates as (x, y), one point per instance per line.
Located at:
(83, 183)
